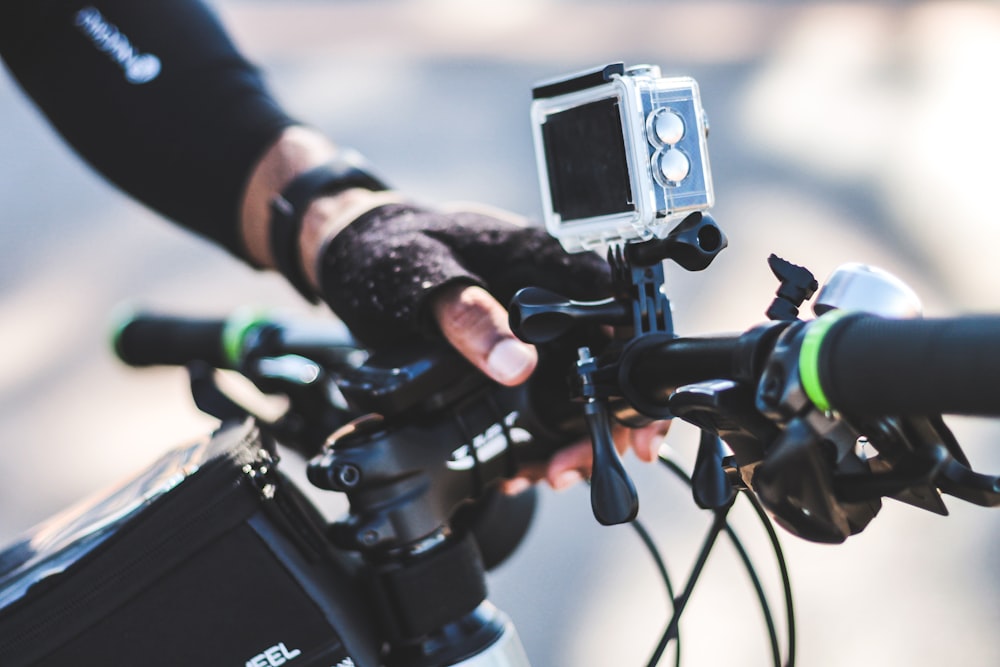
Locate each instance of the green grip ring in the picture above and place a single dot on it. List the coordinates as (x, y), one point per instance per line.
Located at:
(809, 357)
(235, 331)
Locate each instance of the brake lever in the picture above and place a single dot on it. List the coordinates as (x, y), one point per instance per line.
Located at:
(711, 485)
(917, 457)
(613, 497)
(956, 476)
(910, 481)
(966, 484)
(209, 397)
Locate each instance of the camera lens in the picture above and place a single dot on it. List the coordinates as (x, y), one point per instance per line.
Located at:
(674, 166)
(669, 127)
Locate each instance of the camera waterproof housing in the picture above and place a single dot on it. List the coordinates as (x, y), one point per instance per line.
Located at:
(622, 154)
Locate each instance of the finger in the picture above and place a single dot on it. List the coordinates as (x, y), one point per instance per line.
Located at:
(646, 441)
(476, 325)
(570, 465)
(560, 472)
(527, 475)
(573, 463)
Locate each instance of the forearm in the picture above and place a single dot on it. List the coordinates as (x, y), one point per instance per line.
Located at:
(298, 150)
(156, 97)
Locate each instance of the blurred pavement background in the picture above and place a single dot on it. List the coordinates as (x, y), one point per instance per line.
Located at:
(840, 132)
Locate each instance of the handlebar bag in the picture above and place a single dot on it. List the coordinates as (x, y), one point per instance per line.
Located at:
(209, 557)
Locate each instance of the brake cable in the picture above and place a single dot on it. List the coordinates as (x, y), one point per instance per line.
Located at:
(722, 524)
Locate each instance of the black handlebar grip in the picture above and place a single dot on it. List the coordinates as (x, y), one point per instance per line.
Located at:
(869, 366)
(150, 340)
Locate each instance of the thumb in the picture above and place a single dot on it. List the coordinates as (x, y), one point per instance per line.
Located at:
(476, 325)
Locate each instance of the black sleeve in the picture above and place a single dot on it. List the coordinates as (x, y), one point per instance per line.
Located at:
(154, 95)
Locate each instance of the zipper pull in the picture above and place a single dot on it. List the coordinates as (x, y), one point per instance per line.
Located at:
(262, 474)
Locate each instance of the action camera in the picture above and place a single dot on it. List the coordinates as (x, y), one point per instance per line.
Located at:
(622, 154)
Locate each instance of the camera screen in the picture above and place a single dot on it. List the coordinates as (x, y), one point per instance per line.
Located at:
(585, 158)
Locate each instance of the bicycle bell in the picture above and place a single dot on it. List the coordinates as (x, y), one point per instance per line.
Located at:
(867, 289)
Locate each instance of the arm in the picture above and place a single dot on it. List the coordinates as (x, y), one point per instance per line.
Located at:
(155, 96)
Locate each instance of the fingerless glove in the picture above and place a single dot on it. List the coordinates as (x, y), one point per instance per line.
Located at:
(380, 272)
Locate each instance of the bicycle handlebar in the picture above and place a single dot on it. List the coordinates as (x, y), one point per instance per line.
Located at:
(861, 365)
(882, 375)
(657, 367)
(150, 340)
(869, 366)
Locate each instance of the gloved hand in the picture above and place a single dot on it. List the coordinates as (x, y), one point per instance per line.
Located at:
(401, 270)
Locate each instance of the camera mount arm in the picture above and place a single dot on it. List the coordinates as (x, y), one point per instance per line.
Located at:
(539, 316)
